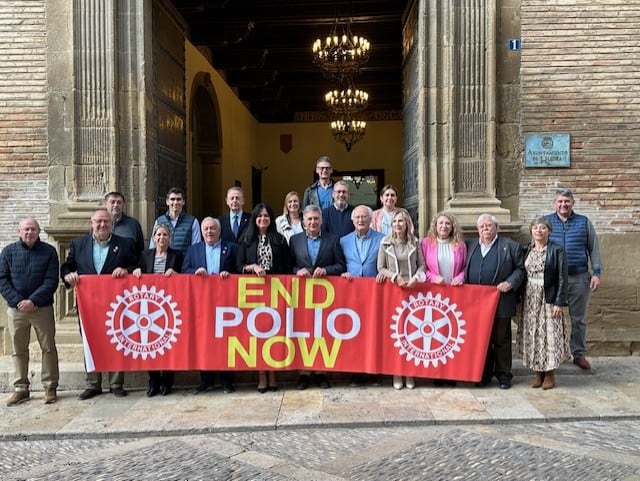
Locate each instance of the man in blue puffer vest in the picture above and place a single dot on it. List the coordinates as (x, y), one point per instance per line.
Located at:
(186, 228)
(577, 235)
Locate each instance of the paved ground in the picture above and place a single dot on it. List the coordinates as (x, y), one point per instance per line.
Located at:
(586, 428)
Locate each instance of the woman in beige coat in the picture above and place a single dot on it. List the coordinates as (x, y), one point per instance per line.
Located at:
(401, 261)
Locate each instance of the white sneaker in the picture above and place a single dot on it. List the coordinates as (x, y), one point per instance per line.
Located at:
(410, 383)
(397, 383)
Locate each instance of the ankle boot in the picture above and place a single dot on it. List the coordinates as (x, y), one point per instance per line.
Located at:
(549, 380)
(538, 379)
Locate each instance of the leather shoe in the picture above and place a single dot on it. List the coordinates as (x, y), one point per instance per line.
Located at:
(228, 389)
(88, 394)
(203, 388)
(118, 391)
(153, 391)
(582, 363)
(483, 383)
(303, 382)
(164, 390)
(505, 383)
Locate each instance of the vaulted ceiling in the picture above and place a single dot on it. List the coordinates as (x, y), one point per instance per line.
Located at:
(263, 50)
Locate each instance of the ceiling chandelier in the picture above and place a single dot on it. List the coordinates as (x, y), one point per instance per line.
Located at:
(348, 131)
(342, 54)
(346, 101)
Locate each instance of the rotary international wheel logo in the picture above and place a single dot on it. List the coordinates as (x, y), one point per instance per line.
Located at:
(143, 322)
(428, 329)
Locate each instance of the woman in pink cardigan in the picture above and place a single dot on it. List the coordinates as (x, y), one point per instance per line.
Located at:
(445, 256)
(444, 250)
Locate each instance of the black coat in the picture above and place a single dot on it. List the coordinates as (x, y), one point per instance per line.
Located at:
(510, 268)
(248, 254)
(555, 274)
(148, 256)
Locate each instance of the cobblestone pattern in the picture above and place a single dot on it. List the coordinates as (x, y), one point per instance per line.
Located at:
(586, 451)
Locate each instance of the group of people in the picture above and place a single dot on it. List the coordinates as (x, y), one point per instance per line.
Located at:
(318, 235)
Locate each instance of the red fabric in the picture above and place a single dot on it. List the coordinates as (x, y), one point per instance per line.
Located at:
(188, 322)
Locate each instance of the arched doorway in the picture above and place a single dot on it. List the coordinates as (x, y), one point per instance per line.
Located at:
(205, 165)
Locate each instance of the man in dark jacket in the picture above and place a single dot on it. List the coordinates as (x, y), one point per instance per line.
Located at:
(496, 261)
(28, 281)
(100, 252)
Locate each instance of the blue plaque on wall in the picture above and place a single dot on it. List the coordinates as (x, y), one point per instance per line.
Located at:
(547, 150)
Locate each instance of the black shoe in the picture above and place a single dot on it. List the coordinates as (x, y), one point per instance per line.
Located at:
(356, 380)
(504, 383)
(438, 382)
(303, 382)
(228, 389)
(322, 381)
(164, 390)
(376, 380)
(451, 383)
(273, 388)
(88, 394)
(203, 388)
(153, 391)
(483, 383)
(118, 391)
(262, 390)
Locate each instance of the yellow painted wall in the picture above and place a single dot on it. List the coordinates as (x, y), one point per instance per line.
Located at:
(380, 148)
(246, 142)
(239, 127)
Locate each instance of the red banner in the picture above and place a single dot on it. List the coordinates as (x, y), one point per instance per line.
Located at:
(188, 322)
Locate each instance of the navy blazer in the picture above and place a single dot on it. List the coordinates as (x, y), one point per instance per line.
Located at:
(196, 257)
(148, 256)
(121, 253)
(226, 233)
(330, 255)
(510, 268)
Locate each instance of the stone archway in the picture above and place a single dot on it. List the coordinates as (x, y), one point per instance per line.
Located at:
(205, 161)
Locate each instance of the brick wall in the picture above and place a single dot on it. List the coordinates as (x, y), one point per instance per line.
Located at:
(23, 115)
(580, 73)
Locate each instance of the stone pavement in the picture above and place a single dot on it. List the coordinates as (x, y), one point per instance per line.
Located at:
(610, 392)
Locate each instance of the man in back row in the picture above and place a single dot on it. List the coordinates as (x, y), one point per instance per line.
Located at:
(186, 228)
(124, 225)
(320, 192)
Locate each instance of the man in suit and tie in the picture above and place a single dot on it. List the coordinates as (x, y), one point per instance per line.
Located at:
(493, 260)
(235, 222)
(315, 254)
(99, 252)
(213, 256)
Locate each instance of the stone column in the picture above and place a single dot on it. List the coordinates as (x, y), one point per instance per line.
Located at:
(100, 112)
(473, 29)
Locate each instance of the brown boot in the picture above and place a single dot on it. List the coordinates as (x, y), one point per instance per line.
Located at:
(549, 380)
(538, 379)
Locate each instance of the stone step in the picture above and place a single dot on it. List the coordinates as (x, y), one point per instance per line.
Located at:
(72, 376)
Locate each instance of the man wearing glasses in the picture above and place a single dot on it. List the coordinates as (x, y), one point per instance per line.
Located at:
(320, 193)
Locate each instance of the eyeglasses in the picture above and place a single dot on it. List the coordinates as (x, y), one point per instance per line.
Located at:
(324, 168)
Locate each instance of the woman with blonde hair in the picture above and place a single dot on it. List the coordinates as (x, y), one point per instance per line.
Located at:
(444, 251)
(445, 257)
(400, 260)
(161, 259)
(290, 222)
